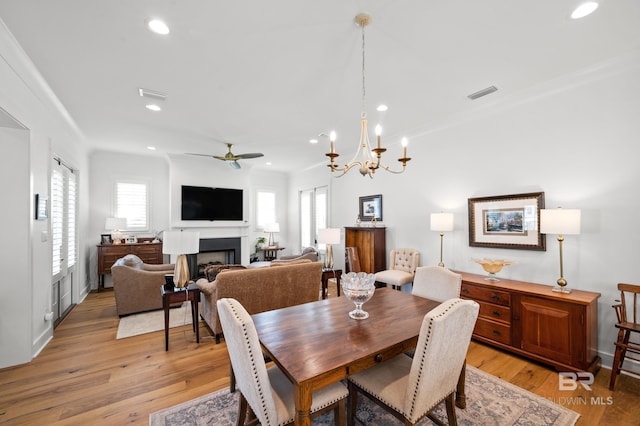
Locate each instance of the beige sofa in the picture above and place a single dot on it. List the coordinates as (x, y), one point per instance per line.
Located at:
(260, 289)
(136, 284)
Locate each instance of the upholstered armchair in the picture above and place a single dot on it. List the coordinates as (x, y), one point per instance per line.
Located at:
(136, 284)
(307, 253)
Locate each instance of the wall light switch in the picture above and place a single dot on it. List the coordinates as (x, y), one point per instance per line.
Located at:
(44, 236)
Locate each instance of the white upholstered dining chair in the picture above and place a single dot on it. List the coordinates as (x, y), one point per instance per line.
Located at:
(411, 388)
(267, 392)
(402, 266)
(436, 283)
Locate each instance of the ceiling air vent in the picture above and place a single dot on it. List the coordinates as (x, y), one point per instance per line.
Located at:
(147, 93)
(483, 92)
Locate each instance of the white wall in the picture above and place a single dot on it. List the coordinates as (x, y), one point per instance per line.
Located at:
(15, 256)
(106, 168)
(166, 175)
(26, 163)
(573, 139)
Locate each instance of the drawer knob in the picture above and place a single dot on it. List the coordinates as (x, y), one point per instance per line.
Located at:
(465, 290)
(496, 332)
(378, 358)
(496, 313)
(495, 297)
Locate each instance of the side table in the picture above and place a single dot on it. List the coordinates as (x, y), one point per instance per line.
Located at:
(326, 275)
(176, 295)
(270, 253)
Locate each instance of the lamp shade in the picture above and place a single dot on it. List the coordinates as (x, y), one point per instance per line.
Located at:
(179, 242)
(115, 223)
(442, 222)
(329, 236)
(272, 227)
(560, 221)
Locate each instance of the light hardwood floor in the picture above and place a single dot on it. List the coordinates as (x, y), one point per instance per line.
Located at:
(86, 377)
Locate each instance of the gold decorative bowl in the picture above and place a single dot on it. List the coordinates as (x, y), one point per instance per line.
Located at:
(493, 266)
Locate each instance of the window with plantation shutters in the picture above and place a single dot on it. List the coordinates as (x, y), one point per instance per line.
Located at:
(314, 210)
(71, 220)
(132, 203)
(57, 218)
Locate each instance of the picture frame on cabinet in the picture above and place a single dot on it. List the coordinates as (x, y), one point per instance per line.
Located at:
(371, 207)
(507, 221)
(105, 239)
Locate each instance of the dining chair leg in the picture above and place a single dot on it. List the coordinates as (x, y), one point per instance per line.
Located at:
(451, 410)
(232, 380)
(242, 410)
(461, 397)
(618, 358)
(353, 404)
(339, 413)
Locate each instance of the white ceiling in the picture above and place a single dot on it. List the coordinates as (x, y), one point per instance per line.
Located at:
(270, 75)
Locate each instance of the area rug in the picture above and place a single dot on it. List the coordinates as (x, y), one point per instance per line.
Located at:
(490, 401)
(148, 322)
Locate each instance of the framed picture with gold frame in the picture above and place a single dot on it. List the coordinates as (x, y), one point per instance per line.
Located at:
(507, 221)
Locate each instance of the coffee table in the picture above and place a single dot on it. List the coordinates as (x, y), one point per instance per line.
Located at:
(316, 344)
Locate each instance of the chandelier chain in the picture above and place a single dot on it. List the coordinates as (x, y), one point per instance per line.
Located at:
(363, 81)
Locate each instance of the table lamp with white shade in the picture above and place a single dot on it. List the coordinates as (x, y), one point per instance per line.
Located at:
(329, 236)
(441, 222)
(561, 222)
(270, 228)
(115, 225)
(181, 243)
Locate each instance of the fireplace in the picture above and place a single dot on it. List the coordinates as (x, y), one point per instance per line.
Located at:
(214, 251)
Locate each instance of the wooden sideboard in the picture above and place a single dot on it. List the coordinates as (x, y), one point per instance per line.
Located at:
(148, 252)
(371, 245)
(530, 320)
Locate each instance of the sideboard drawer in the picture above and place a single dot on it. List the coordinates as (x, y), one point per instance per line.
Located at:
(495, 312)
(486, 294)
(493, 330)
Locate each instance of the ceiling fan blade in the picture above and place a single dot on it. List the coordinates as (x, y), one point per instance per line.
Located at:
(202, 155)
(234, 165)
(250, 155)
(220, 158)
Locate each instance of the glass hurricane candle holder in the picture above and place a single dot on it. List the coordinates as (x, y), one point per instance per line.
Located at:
(359, 288)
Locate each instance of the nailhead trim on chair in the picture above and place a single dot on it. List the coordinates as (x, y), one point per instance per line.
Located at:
(253, 366)
(423, 366)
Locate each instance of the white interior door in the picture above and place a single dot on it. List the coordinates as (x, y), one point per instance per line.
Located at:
(63, 237)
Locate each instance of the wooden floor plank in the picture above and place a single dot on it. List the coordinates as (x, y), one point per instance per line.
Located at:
(86, 376)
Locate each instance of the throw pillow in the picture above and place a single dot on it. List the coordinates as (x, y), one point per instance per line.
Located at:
(289, 262)
(211, 272)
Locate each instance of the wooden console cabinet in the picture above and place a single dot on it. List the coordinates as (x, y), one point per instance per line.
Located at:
(530, 320)
(109, 253)
(371, 245)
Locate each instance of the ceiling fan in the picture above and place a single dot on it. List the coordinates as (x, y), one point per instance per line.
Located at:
(233, 158)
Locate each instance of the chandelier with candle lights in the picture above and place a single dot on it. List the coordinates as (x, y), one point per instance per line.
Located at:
(367, 159)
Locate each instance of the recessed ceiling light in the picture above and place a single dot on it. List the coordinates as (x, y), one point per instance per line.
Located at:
(268, 163)
(153, 107)
(151, 148)
(584, 9)
(382, 108)
(313, 140)
(158, 27)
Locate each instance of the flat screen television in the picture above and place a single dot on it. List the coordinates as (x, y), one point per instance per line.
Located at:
(205, 203)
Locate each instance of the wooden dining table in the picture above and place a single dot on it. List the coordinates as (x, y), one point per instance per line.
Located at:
(316, 344)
